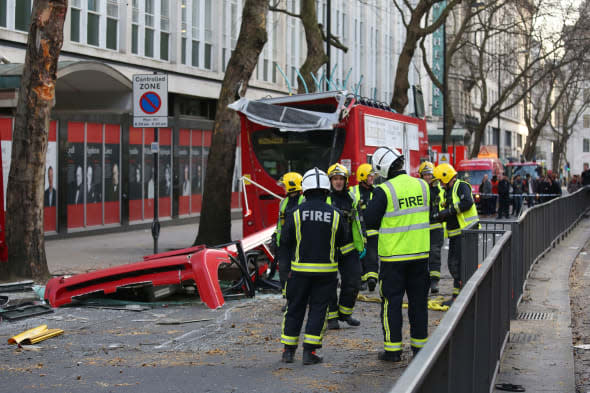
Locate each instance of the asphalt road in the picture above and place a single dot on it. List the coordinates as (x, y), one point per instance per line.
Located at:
(233, 349)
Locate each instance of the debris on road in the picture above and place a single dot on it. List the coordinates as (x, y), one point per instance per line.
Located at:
(14, 313)
(34, 335)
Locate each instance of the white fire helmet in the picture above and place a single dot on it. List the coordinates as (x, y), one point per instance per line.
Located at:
(315, 179)
(384, 158)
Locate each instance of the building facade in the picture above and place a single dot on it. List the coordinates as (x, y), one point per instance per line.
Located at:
(99, 166)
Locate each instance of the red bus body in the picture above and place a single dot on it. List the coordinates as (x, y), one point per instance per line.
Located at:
(268, 153)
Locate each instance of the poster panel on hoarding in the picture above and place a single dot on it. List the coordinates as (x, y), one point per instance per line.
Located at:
(135, 173)
(50, 193)
(182, 154)
(74, 159)
(148, 174)
(112, 177)
(93, 186)
(6, 144)
(165, 172)
(196, 170)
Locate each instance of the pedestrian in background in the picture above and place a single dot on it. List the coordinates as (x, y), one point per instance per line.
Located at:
(574, 185)
(530, 189)
(504, 197)
(586, 175)
(517, 190)
(494, 203)
(487, 200)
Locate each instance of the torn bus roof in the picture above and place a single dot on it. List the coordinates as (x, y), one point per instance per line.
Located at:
(286, 118)
(198, 264)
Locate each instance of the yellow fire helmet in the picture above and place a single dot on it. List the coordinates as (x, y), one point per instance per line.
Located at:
(292, 181)
(425, 168)
(338, 169)
(363, 171)
(444, 172)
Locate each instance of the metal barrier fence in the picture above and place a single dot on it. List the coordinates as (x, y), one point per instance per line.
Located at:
(463, 354)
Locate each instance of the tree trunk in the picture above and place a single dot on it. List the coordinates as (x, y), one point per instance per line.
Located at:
(556, 155)
(24, 199)
(399, 101)
(316, 54)
(531, 144)
(477, 137)
(215, 223)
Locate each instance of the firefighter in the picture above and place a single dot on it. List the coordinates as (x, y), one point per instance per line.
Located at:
(437, 233)
(460, 214)
(312, 234)
(292, 183)
(350, 265)
(362, 193)
(400, 210)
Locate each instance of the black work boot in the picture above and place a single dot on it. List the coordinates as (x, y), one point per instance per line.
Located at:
(333, 324)
(449, 302)
(390, 356)
(349, 320)
(309, 357)
(372, 283)
(434, 286)
(288, 355)
(415, 351)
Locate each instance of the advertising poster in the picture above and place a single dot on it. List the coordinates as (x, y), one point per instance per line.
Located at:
(165, 172)
(182, 154)
(112, 176)
(135, 173)
(6, 144)
(196, 170)
(148, 174)
(93, 186)
(75, 174)
(50, 192)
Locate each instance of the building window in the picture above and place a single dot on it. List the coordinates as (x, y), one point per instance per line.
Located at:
(586, 121)
(22, 15)
(93, 23)
(199, 42)
(183, 32)
(519, 140)
(508, 139)
(3, 15)
(75, 21)
(135, 28)
(148, 49)
(164, 28)
(586, 147)
(112, 23)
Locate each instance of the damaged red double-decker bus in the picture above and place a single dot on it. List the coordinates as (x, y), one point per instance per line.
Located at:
(300, 132)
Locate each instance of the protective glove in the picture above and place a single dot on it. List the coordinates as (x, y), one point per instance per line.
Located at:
(362, 254)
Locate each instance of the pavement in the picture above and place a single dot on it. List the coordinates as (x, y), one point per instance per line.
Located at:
(237, 348)
(539, 354)
(181, 345)
(83, 254)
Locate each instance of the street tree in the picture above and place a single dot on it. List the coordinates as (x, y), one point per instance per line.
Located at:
(314, 38)
(511, 54)
(573, 103)
(215, 222)
(459, 26)
(561, 89)
(413, 15)
(24, 197)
